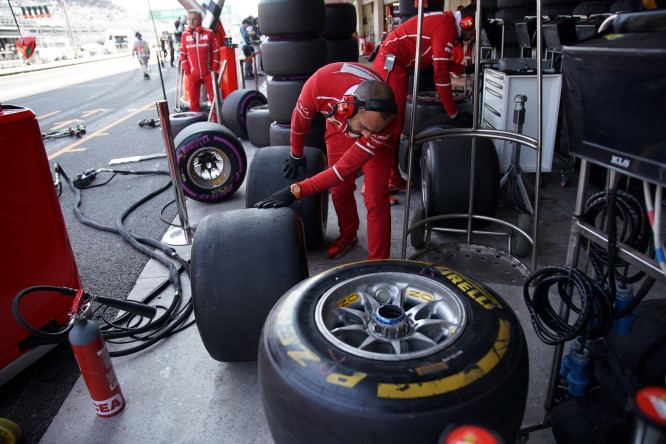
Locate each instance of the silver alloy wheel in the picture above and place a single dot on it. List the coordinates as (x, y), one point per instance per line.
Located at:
(208, 167)
(390, 316)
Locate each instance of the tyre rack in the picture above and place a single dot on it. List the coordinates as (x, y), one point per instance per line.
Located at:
(474, 132)
(581, 230)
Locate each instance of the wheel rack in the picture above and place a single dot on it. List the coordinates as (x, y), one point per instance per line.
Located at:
(474, 132)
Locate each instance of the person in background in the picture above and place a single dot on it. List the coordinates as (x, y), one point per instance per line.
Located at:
(359, 109)
(141, 50)
(254, 38)
(200, 56)
(441, 31)
(247, 48)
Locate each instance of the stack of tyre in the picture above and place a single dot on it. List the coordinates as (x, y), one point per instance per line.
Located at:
(340, 25)
(293, 51)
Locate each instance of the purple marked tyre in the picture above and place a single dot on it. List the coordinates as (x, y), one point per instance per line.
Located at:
(211, 161)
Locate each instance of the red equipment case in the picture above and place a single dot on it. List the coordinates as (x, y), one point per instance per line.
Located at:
(39, 251)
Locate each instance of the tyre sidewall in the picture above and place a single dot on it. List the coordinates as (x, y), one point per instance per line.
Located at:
(325, 378)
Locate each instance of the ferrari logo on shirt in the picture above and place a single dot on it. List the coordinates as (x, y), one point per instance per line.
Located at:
(335, 122)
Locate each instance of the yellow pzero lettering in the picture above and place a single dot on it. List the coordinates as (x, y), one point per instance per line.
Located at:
(287, 335)
(345, 380)
(419, 295)
(455, 381)
(303, 355)
(348, 300)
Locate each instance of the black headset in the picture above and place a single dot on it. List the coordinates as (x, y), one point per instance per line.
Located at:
(350, 105)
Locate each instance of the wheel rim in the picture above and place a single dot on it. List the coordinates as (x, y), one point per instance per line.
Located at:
(390, 316)
(209, 167)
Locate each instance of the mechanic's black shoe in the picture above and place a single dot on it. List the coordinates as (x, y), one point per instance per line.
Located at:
(146, 76)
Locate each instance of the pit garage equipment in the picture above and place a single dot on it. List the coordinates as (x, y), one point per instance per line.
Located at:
(23, 212)
(78, 131)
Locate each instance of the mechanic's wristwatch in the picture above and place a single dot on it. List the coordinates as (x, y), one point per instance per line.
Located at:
(296, 191)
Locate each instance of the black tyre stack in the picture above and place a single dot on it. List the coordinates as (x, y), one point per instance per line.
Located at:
(340, 25)
(293, 51)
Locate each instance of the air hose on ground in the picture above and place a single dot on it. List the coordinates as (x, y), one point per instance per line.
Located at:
(175, 315)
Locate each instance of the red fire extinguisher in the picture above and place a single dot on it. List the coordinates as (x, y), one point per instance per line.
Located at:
(86, 340)
(94, 361)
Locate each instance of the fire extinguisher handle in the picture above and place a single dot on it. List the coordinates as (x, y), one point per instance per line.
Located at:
(147, 311)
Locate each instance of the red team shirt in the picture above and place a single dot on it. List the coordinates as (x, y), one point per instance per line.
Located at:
(438, 39)
(319, 95)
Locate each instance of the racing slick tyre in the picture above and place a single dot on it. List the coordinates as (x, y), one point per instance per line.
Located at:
(242, 262)
(342, 49)
(235, 107)
(211, 162)
(427, 107)
(282, 97)
(417, 237)
(266, 177)
(340, 21)
(282, 58)
(445, 171)
(291, 17)
(390, 351)
(280, 134)
(258, 126)
(522, 245)
(179, 121)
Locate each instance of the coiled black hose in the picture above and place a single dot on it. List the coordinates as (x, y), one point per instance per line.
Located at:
(582, 295)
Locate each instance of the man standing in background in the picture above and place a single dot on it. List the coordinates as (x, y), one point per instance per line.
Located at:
(200, 56)
(142, 52)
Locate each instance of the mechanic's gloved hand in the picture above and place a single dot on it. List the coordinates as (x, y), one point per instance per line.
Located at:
(464, 118)
(282, 198)
(292, 164)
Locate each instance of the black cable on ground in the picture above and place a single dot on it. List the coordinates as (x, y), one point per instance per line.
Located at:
(174, 315)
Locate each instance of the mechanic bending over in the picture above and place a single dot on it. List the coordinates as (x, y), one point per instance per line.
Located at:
(440, 33)
(359, 109)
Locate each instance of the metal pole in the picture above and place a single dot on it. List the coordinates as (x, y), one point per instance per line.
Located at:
(539, 137)
(217, 97)
(412, 122)
(182, 236)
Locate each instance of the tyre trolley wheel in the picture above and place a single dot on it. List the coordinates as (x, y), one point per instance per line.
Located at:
(211, 161)
(390, 351)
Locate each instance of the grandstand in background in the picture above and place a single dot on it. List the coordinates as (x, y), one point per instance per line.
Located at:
(68, 30)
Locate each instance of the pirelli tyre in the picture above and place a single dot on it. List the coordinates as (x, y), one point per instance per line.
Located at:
(280, 133)
(242, 262)
(180, 121)
(266, 177)
(283, 58)
(211, 161)
(342, 49)
(282, 97)
(291, 17)
(445, 168)
(258, 126)
(340, 21)
(390, 352)
(235, 107)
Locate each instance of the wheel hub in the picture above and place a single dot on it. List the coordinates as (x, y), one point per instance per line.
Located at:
(208, 165)
(390, 316)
